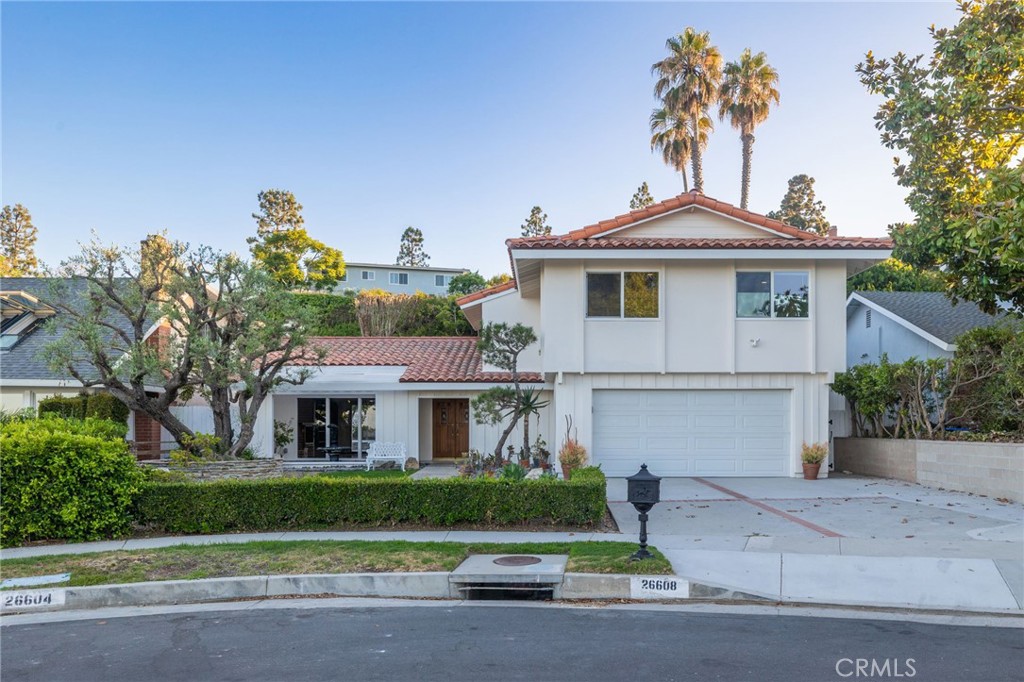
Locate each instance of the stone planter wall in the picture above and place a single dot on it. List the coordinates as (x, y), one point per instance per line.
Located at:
(240, 469)
(993, 469)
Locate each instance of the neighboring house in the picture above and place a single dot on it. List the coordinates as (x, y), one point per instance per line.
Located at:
(691, 335)
(25, 376)
(398, 279)
(906, 324)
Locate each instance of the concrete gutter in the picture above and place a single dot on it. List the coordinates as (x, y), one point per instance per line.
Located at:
(427, 585)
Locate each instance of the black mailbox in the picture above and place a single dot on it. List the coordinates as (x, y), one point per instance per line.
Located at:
(643, 491)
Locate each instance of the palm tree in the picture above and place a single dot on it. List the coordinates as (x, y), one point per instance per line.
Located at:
(688, 83)
(671, 136)
(748, 90)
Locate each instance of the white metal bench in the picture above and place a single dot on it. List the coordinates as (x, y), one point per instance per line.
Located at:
(385, 452)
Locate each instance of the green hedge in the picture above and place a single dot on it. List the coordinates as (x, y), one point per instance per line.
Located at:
(65, 479)
(315, 501)
(65, 407)
(98, 405)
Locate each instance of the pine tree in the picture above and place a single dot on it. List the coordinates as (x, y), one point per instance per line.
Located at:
(410, 250)
(642, 198)
(537, 224)
(800, 208)
(17, 242)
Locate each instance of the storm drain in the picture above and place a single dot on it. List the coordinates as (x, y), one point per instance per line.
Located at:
(521, 577)
(506, 592)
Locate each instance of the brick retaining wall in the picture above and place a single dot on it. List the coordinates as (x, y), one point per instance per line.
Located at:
(993, 469)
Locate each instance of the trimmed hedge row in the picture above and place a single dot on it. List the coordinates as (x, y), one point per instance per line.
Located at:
(296, 503)
(97, 405)
(65, 479)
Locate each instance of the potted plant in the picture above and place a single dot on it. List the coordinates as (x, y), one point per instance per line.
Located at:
(571, 456)
(524, 459)
(812, 456)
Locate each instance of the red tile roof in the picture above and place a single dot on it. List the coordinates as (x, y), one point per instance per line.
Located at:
(428, 359)
(682, 201)
(814, 242)
(484, 293)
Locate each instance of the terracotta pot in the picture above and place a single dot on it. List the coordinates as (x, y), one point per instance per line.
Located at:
(811, 471)
(525, 463)
(566, 472)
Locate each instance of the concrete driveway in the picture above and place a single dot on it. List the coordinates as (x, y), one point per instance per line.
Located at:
(840, 512)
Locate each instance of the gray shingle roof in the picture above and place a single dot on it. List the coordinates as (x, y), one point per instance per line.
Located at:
(25, 360)
(932, 312)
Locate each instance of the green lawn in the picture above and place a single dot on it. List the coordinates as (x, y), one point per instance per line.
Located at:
(309, 556)
(363, 473)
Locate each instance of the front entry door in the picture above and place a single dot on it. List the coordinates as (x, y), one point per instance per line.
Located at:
(451, 428)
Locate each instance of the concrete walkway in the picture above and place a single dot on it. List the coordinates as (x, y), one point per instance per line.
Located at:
(845, 540)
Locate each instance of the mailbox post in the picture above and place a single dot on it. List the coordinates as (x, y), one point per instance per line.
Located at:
(643, 491)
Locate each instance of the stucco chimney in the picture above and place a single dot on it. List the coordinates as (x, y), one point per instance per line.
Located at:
(833, 231)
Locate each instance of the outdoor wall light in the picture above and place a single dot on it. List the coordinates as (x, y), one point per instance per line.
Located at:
(643, 491)
(755, 342)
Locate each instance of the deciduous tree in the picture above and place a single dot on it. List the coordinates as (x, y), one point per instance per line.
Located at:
(466, 283)
(233, 333)
(957, 120)
(284, 248)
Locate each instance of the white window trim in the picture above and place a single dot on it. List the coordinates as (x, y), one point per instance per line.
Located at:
(398, 275)
(771, 280)
(369, 275)
(622, 295)
(445, 281)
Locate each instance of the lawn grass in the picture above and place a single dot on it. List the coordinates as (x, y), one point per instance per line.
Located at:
(362, 473)
(192, 562)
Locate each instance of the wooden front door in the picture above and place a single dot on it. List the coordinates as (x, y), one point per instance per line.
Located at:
(451, 428)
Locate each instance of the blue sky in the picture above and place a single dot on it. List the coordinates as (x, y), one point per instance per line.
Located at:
(456, 118)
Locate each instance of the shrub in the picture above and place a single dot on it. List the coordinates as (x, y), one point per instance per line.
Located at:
(512, 472)
(64, 406)
(317, 501)
(572, 454)
(65, 479)
(106, 406)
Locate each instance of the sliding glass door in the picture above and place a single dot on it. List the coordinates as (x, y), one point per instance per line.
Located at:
(336, 428)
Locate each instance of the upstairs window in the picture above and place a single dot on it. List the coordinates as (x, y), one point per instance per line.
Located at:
(442, 281)
(369, 275)
(399, 277)
(775, 294)
(622, 294)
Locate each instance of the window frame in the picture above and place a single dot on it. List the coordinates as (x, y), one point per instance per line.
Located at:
(369, 276)
(445, 280)
(771, 293)
(622, 293)
(392, 276)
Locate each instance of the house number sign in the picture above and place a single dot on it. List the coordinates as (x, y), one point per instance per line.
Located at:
(658, 587)
(24, 600)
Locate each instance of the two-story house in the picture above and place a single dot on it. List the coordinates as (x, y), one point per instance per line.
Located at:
(691, 335)
(398, 279)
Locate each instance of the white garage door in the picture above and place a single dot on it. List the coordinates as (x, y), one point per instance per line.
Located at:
(692, 433)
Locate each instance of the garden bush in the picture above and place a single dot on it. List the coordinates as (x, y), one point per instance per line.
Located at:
(106, 406)
(65, 479)
(318, 501)
(64, 406)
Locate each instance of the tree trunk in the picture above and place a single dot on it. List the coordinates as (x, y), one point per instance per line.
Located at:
(526, 436)
(748, 153)
(220, 405)
(695, 160)
(164, 418)
(686, 183)
(504, 437)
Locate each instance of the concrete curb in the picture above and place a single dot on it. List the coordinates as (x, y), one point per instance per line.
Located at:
(426, 585)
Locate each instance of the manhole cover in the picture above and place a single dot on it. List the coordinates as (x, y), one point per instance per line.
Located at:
(516, 560)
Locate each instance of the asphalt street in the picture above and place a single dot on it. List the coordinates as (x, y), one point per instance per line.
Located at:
(502, 642)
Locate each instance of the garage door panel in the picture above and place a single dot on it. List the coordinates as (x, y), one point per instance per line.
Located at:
(708, 432)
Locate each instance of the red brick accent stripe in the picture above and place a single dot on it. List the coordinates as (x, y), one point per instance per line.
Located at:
(778, 512)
